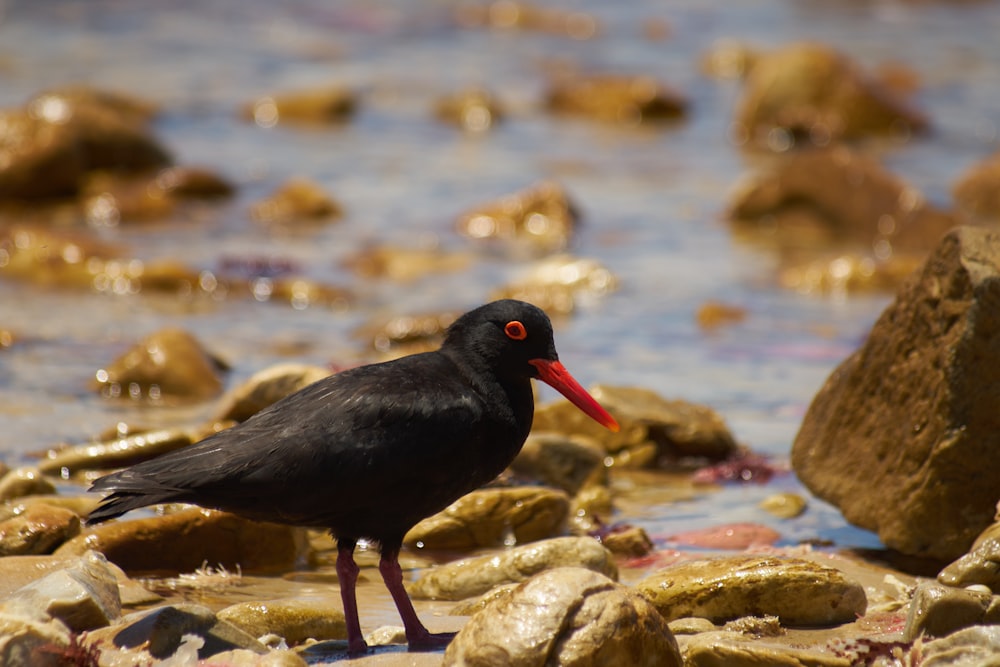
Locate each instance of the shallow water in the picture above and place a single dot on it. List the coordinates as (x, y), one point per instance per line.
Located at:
(651, 198)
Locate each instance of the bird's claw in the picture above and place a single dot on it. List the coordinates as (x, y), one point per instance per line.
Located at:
(431, 641)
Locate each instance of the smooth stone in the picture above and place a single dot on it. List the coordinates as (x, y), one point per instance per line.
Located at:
(613, 98)
(19, 571)
(294, 619)
(84, 595)
(979, 566)
(115, 453)
(558, 283)
(31, 638)
(297, 200)
(266, 387)
(784, 505)
(246, 658)
(161, 630)
(321, 105)
(472, 605)
(629, 541)
(25, 481)
(493, 517)
(184, 540)
(404, 264)
(81, 505)
(978, 646)
(39, 529)
(733, 649)
(541, 216)
(563, 462)
(670, 429)
(570, 617)
(976, 190)
(473, 110)
(937, 610)
(169, 364)
(466, 578)
(798, 591)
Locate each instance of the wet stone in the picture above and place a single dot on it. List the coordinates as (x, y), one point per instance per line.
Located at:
(784, 505)
(474, 110)
(977, 646)
(39, 529)
(493, 517)
(472, 605)
(557, 284)
(799, 592)
(24, 481)
(266, 387)
(733, 649)
(628, 541)
(161, 630)
(310, 107)
(936, 610)
(569, 617)
(184, 540)
(406, 264)
(627, 100)
(977, 190)
(298, 199)
(169, 364)
(810, 93)
(654, 430)
(295, 619)
(115, 453)
(541, 216)
(29, 636)
(474, 576)
(83, 595)
(561, 462)
(980, 566)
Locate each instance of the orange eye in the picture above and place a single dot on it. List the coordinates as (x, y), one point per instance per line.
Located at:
(515, 330)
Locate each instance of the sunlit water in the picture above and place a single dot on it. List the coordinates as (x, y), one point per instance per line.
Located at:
(651, 198)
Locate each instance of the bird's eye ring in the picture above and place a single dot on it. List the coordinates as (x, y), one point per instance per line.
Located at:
(515, 330)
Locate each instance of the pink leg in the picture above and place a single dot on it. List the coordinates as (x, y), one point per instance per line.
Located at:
(347, 573)
(417, 635)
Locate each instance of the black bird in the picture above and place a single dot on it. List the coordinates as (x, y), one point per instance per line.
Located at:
(369, 452)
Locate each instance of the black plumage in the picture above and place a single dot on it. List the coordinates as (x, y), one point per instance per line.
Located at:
(369, 452)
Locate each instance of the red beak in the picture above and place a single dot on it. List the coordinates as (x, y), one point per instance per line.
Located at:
(556, 376)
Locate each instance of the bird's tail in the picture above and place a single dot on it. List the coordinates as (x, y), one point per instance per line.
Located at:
(128, 492)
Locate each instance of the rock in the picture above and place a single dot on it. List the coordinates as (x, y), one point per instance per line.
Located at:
(37, 530)
(493, 517)
(980, 566)
(978, 646)
(110, 199)
(653, 429)
(24, 481)
(977, 190)
(404, 333)
(589, 509)
(187, 182)
(627, 541)
(541, 216)
(817, 200)
(266, 387)
(474, 110)
(184, 540)
(114, 453)
(161, 630)
(562, 462)
(83, 595)
(785, 505)
(902, 436)
(733, 649)
(300, 293)
(308, 107)
(247, 658)
(31, 637)
(299, 199)
(19, 571)
(569, 617)
(474, 576)
(80, 505)
(474, 605)
(60, 135)
(168, 364)
(811, 93)
(557, 284)
(406, 264)
(294, 619)
(799, 592)
(937, 611)
(627, 100)
(713, 315)
(508, 15)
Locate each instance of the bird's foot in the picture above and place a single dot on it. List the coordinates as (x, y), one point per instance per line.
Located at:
(427, 641)
(357, 647)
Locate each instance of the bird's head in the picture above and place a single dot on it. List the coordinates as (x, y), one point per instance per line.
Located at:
(514, 339)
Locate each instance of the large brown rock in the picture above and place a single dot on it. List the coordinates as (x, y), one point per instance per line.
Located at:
(904, 435)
